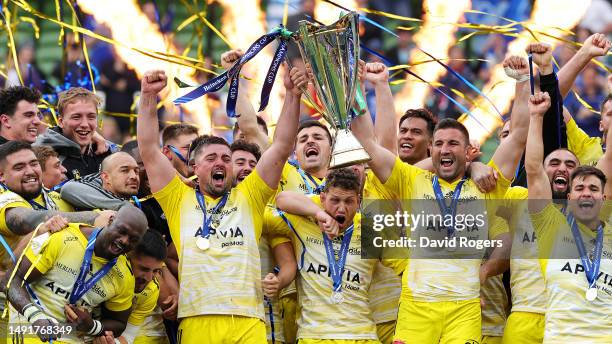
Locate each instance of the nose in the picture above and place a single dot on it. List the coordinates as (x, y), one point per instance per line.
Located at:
(63, 169)
(37, 119)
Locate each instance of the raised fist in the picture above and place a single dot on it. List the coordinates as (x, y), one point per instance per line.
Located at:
(376, 73)
(597, 45)
(295, 80)
(228, 58)
(153, 82)
(516, 66)
(539, 103)
(542, 56)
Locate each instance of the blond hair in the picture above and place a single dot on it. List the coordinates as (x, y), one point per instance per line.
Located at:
(74, 94)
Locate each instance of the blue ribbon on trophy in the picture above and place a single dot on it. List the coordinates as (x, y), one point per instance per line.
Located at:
(233, 74)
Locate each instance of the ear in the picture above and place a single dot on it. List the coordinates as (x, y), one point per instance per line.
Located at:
(166, 151)
(2, 180)
(4, 121)
(601, 128)
(322, 196)
(104, 176)
(60, 121)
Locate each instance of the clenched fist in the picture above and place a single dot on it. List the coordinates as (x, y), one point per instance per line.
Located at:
(539, 103)
(153, 82)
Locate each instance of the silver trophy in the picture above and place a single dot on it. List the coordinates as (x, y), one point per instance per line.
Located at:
(333, 54)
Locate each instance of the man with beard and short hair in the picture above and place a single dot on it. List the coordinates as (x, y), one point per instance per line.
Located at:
(117, 182)
(176, 139)
(81, 149)
(214, 305)
(55, 264)
(53, 172)
(245, 156)
(574, 246)
(454, 291)
(19, 116)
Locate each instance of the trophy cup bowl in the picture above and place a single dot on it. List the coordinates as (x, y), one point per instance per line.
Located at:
(332, 52)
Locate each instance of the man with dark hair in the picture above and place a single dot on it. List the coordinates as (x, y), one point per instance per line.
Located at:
(416, 129)
(153, 288)
(57, 267)
(216, 222)
(321, 229)
(176, 140)
(425, 290)
(53, 172)
(81, 149)
(19, 115)
(245, 156)
(577, 296)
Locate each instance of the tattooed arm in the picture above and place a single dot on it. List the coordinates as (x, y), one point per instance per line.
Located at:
(21, 220)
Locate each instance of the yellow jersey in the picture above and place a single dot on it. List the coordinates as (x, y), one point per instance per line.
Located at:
(587, 149)
(59, 257)
(224, 279)
(494, 312)
(292, 180)
(146, 314)
(570, 317)
(50, 200)
(318, 317)
(434, 280)
(526, 280)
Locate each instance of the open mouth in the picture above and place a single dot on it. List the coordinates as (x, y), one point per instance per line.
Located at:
(218, 177)
(30, 180)
(586, 204)
(33, 131)
(445, 162)
(406, 146)
(340, 219)
(83, 134)
(116, 247)
(311, 152)
(242, 175)
(560, 182)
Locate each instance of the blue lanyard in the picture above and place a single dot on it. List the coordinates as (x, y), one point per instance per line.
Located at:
(48, 203)
(447, 210)
(303, 253)
(178, 154)
(336, 267)
(591, 268)
(137, 202)
(306, 177)
(59, 186)
(207, 220)
(271, 309)
(81, 286)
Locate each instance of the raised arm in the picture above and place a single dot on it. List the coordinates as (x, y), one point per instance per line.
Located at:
(509, 152)
(159, 169)
(539, 186)
(247, 117)
(605, 164)
(596, 45)
(385, 126)
(271, 164)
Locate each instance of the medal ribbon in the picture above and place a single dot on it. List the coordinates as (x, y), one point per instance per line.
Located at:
(303, 253)
(207, 220)
(336, 267)
(48, 203)
(306, 177)
(591, 268)
(446, 210)
(81, 285)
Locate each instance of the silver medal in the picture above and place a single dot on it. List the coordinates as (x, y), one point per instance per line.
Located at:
(591, 293)
(337, 297)
(203, 243)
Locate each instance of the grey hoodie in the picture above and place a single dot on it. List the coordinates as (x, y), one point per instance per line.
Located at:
(88, 194)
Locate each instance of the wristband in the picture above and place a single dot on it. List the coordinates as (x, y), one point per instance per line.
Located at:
(96, 329)
(514, 74)
(30, 311)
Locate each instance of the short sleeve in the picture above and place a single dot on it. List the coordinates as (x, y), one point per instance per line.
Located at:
(275, 228)
(398, 265)
(399, 182)
(145, 305)
(498, 227)
(9, 200)
(43, 256)
(502, 186)
(257, 191)
(170, 198)
(122, 300)
(546, 224)
(588, 149)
